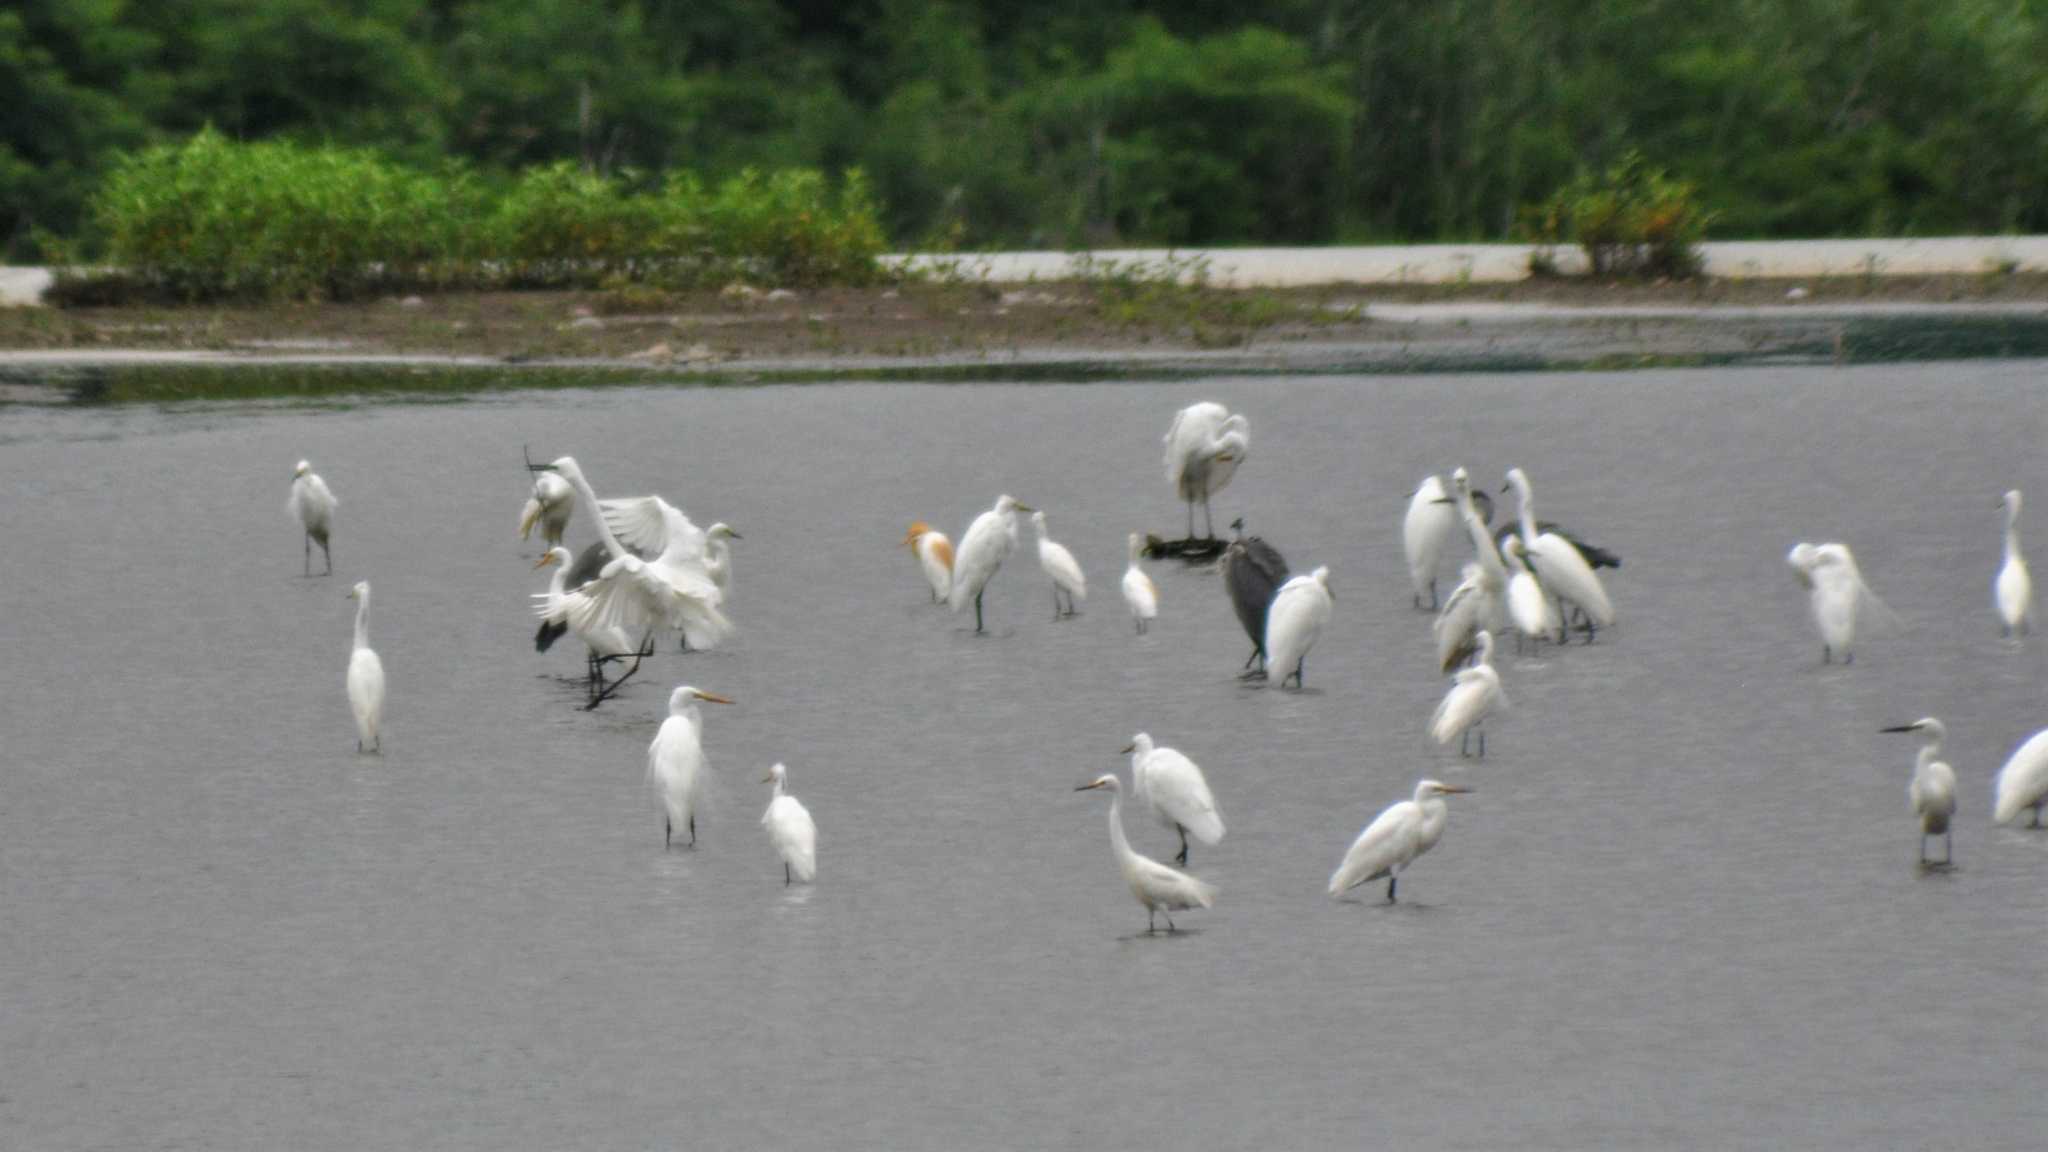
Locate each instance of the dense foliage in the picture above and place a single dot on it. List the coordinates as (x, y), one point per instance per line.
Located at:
(1054, 122)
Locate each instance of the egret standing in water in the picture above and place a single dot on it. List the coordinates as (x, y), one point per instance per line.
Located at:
(1177, 792)
(1480, 599)
(1204, 446)
(1559, 565)
(1426, 535)
(675, 762)
(718, 555)
(934, 557)
(1474, 696)
(1837, 595)
(549, 506)
(790, 829)
(1933, 790)
(2023, 782)
(1534, 618)
(2013, 591)
(1140, 594)
(982, 549)
(365, 677)
(1300, 609)
(314, 505)
(1060, 567)
(1159, 887)
(1395, 839)
(1253, 572)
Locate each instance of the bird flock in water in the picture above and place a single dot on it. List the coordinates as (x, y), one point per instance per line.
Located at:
(653, 572)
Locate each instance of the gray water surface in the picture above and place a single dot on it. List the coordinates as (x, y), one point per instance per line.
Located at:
(1680, 910)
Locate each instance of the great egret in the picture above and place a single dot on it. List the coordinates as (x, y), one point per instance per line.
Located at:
(1837, 595)
(1560, 566)
(1177, 792)
(314, 505)
(1475, 695)
(1480, 599)
(1157, 886)
(1204, 446)
(982, 549)
(1395, 838)
(1300, 609)
(2023, 782)
(791, 830)
(675, 762)
(1253, 572)
(1140, 594)
(2013, 590)
(934, 555)
(1426, 535)
(365, 677)
(603, 640)
(718, 555)
(658, 532)
(1933, 790)
(1061, 568)
(1527, 607)
(549, 506)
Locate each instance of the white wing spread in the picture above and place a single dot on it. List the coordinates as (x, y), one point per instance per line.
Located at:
(652, 526)
(794, 834)
(1388, 842)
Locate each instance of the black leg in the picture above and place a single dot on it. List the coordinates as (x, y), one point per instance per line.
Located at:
(1055, 601)
(1182, 859)
(1390, 888)
(327, 554)
(1150, 927)
(693, 829)
(977, 613)
(668, 832)
(1432, 594)
(785, 875)
(1209, 533)
(1169, 923)
(309, 553)
(1482, 743)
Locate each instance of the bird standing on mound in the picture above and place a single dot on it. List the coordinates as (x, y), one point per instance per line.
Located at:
(982, 549)
(365, 677)
(1158, 887)
(1061, 568)
(1933, 790)
(1204, 446)
(791, 830)
(1176, 790)
(314, 505)
(1140, 594)
(1395, 839)
(675, 762)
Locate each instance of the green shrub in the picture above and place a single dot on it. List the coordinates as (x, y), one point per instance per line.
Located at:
(1632, 220)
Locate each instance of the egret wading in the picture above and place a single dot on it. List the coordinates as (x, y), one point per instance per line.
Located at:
(1177, 792)
(1837, 595)
(1395, 838)
(1531, 612)
(1427, 534)
(2023, 782)
(675, 762)
(1140, 594)
(982, 549)
(365, 677)
(1560, 566)
(604, 641)
(1932, 793)
(2012, 591)
(1479, 602)
(1159, 887)
(1253, 572)
(934, 557)
(790, 829)
(314, 505)
(1474, 695)
(549, 507)
(1204, 446)
(1300, 609)
(1060, 567)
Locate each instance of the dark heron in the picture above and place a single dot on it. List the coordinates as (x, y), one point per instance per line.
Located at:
(1253, 572)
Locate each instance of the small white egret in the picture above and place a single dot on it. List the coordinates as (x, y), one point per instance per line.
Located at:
(1395, 838)
(1533, 616)
(790, 829)
(365, 677)
(982, 549)
(1559, 565)
(1475, 694)
(1426, 535)
(2023, 782)
(1253, 572)
(1300, 609)
(675, 762)
(2013, 590)
(1204, 446)
(1159, 887)
(934, 556)
(549, 506)
(314, 505)
(1933, 790)
(1140, 594)
(718, 555)
(1060, 567)
(1177, 792)
(1838, 596)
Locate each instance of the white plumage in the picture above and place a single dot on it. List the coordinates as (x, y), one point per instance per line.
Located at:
(1060, 567)
(1295, 621)
(314, 506)
(1837, 596)
(2012, 591)
(1395, 838)
(1158, 887)
(791, 830)
(1531, 612)
(1204, 446)
(2023, 782)
(1177, 792)
(365, 677)
(934, 557)
(987, 541)
(673, 590)
(1475, 693)
(718, 556)
(675, 762)
(1932, 793)
(1558, 563)
(549, 506)
(1427, 534)
(1141, 596)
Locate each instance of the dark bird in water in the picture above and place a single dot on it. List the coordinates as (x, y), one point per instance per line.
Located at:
(1253, 572)
(1596, 556)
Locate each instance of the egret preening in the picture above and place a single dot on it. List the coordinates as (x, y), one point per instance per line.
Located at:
(1159, 887)
(1395, 838)
(2013, 590)
(1560, 566)
(1426, 535)
(1300, 609)
(365, 677)
(1140, 594)
(1204, 446)
(549, 506)
(934, 556)
(314, 505)
(1176, 790)
(675, 762)
(1933, 790)
(1533, 616)
(1253, 572)
(718, 555)
(603, 641)
(982, 549)
(791, 830)
(2023, 782)
(1061, 568)
(1475, 694)
(1837, 595)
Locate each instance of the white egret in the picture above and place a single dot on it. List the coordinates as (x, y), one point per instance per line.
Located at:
(791, 830)
(934, 556)
(1426, 535)
(1177, 792)
(1480, 599)
(1801, 559)
(1933, 790)
(314, 505)
(1253, 572)
(2023, 782)
(2013, 590)
(1475, 695)
(365, 677)
(1300, 609)
(1533, 616)
(675, 762)
(685, 556)
(1837, 595)
(1159, 887)
(1204, 446)
(1060, 567)
(982, 549)
(1560, 566)
(1140, 594)
(603, 640)
(718, 555)
(549, 506)
(1395, 838)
